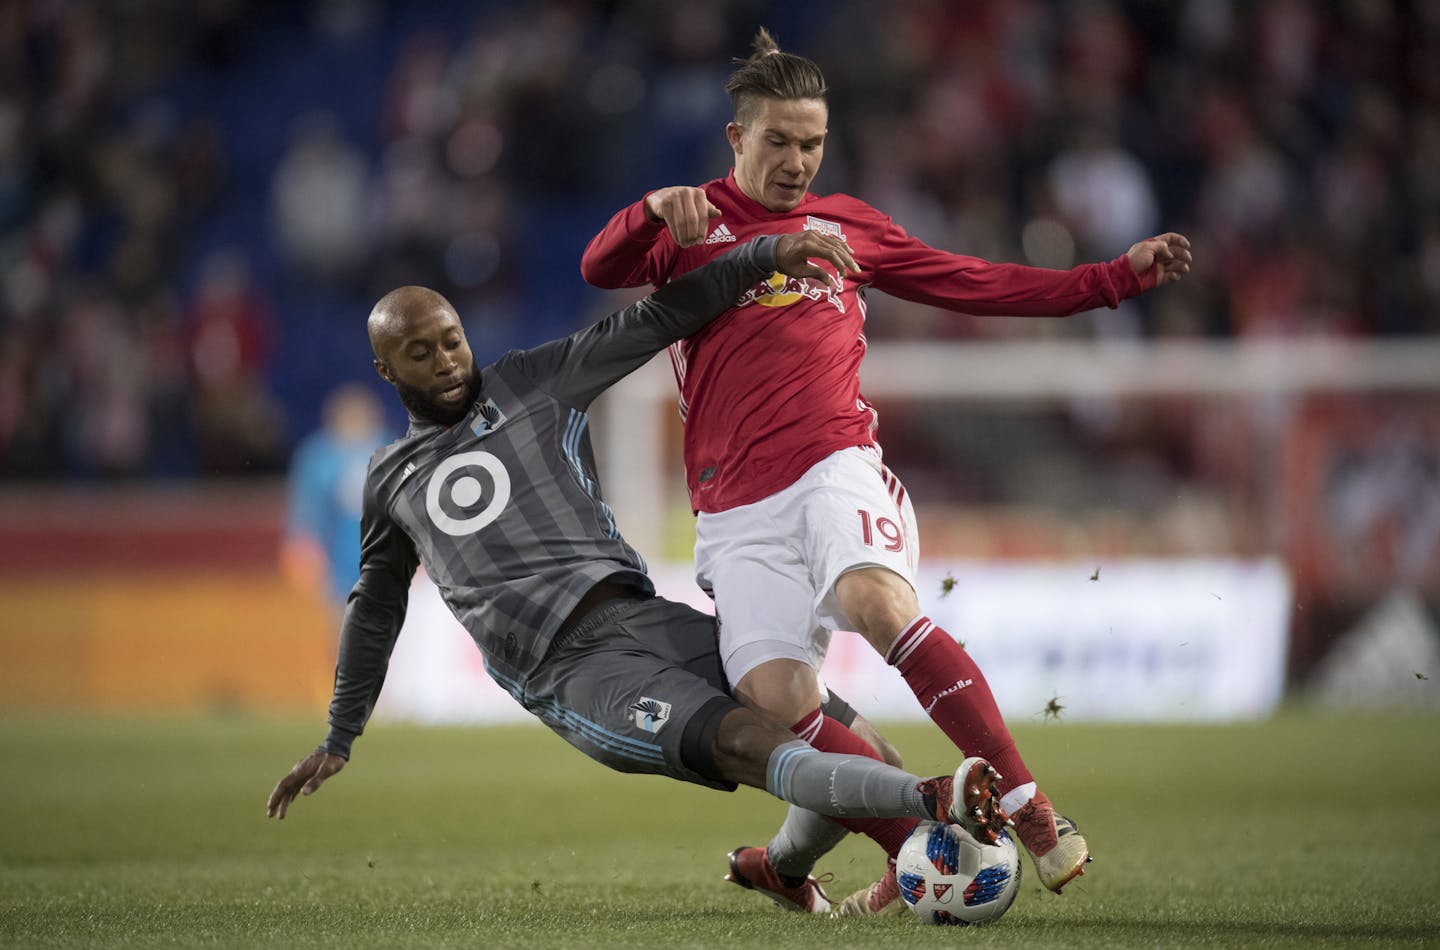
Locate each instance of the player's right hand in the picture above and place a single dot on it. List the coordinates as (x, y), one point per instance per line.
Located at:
(304, 778)
(685, 210)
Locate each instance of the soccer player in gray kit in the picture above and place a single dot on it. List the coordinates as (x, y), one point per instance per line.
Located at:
(493, 489)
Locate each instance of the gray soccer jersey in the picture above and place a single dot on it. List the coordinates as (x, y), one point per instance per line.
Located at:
(503, 508)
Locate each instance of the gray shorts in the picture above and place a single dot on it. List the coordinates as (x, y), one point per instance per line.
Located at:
(637, 686)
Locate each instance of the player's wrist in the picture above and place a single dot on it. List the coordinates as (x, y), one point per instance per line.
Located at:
(337, 742)
(1129, 281)
(648, 222)
(766, 249)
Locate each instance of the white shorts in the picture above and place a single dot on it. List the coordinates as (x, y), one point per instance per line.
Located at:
(771, 566)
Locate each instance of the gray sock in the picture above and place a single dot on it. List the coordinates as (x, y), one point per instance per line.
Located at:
(803, 839)
(841, 785)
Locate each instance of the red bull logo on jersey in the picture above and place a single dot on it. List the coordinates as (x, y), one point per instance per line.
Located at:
(782, 290)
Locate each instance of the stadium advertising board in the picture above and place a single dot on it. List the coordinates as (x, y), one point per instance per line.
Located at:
(1128, 641)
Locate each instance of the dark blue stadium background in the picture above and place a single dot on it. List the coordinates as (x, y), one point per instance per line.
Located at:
(1324, 101)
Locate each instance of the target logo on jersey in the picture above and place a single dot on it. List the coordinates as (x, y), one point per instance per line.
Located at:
(467, 492)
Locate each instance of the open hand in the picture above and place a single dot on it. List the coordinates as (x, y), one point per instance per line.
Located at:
(1169, 252)
(685, 210)
(794, 251)
(305, 778)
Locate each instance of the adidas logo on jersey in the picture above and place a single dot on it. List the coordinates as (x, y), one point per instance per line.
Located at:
(720, 235)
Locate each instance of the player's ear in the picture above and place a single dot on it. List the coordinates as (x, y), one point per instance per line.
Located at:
(736, 135)
(384, 371)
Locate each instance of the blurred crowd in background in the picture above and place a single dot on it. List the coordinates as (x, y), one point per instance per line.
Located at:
(200, 200)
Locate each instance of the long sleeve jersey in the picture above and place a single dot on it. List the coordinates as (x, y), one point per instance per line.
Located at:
(773, 385)
(503, 508)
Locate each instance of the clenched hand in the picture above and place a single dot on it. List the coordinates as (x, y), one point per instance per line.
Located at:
(1170, 252)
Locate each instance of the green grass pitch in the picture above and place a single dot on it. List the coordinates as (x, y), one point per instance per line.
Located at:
(1302, 831)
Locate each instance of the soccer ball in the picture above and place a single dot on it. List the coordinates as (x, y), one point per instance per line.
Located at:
(947, 877)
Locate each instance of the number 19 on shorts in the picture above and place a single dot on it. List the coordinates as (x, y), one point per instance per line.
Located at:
(890, 534)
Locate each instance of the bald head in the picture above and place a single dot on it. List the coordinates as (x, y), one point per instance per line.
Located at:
(420, 349)
(396, 312)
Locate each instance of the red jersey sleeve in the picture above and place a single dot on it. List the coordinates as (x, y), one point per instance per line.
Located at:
(908, 268)
(630, 251)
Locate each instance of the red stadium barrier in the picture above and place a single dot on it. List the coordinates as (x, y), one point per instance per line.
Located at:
(155, 600)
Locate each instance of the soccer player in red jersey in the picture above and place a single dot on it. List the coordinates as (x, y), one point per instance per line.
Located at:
(801, 528)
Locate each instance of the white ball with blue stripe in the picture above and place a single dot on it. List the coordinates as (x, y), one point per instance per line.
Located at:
(947, 877)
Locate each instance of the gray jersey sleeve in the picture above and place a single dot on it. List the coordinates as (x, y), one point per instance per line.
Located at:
(373, 617)
(577, 368)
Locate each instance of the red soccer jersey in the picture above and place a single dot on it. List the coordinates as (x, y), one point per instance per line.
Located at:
(773, 385)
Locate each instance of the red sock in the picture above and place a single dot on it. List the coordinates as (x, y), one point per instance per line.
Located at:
(954, 693)
(828, 735)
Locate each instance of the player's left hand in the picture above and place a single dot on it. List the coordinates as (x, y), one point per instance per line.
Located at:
(793, 254)
(305, 778)
(1169, 253)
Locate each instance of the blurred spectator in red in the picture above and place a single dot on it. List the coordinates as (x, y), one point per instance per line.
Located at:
(239, 426)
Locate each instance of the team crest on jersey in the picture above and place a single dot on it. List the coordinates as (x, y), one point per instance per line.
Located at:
(650, 714)
(813, 223)
(488, 418)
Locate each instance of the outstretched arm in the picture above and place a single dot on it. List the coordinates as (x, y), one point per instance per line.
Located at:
(577, 368)
(373, 619)
(688, 303)
(907, 268)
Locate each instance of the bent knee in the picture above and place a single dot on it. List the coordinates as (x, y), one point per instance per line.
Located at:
(783, 691)
(878, 602)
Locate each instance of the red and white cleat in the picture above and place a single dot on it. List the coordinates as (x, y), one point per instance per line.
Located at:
(751, 869)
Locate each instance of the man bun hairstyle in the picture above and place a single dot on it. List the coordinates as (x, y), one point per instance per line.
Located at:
(770, 73)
